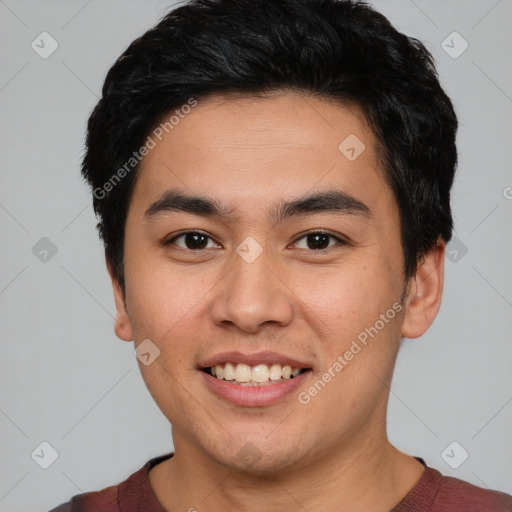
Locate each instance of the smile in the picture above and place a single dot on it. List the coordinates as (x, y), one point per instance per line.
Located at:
(258, 375)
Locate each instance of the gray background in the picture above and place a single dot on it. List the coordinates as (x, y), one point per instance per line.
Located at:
(67, 380)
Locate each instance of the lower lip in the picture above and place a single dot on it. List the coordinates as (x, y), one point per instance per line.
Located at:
(253, 396)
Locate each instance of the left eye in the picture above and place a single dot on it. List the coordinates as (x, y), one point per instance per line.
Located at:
(318, 241)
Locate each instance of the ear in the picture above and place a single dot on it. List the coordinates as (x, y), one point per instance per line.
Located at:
(424, 293)
(123, 326)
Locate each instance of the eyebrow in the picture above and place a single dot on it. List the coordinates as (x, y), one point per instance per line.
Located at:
(329, 201)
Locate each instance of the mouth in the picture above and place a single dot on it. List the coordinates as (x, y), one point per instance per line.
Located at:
(254, 379)
(259, 375)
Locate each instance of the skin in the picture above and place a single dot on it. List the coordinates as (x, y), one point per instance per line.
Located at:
(251, 152)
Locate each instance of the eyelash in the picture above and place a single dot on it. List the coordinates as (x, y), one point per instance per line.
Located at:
(340, 241)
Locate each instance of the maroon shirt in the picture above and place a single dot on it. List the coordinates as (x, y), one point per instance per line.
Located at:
(432, 493)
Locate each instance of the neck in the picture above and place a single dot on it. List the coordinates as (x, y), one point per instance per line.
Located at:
(375, 476)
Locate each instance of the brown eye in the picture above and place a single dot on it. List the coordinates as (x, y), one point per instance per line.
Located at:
(192, 240)
(318, 241)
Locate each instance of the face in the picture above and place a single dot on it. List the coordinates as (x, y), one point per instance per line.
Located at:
(244, 277)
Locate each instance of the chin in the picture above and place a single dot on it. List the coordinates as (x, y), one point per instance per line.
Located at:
(257, 456)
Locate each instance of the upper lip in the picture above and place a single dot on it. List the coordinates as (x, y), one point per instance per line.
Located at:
(253, 359)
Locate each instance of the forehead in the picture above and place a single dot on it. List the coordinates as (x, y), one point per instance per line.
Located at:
(248, 150)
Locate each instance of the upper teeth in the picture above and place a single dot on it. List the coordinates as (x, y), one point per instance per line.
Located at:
(259, 373)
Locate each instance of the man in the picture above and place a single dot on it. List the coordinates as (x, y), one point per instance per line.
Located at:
(272, 180)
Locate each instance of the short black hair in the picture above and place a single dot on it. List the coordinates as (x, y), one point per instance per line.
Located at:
(341, 50)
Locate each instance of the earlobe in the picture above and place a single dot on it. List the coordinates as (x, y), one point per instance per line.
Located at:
(425, 290)
(122, 327)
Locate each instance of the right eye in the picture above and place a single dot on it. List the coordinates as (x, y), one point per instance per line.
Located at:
(192, 240)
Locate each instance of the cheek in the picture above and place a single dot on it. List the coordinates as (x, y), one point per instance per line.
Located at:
(169, 309)
(162, 296)
(344, 300)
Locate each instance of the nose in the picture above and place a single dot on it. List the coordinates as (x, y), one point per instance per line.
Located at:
(252, 294)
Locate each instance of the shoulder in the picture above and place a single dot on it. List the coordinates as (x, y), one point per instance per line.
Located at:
(105, 500)
(454, 495)
(435, 492)
(134, 493)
